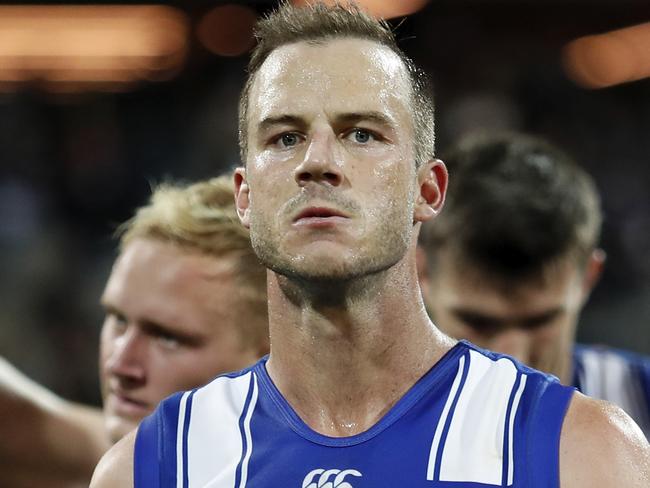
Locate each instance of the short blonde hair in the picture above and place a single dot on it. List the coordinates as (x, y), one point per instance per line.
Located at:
(202, 217)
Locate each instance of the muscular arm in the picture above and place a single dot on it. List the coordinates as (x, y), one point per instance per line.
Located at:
(602, 447)
(115, 470)
(45, 438)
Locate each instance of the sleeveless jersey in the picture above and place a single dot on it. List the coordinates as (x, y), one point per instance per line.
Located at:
(620, 377)
(476, 420)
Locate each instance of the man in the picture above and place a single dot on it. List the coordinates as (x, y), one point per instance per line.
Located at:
(360, 389)
(512, 261)
(185, 301)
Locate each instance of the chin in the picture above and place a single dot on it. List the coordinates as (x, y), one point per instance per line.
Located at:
(324, 271)
(117, 427)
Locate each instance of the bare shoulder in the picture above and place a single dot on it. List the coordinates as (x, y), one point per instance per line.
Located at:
(115, 470)
(602, 447)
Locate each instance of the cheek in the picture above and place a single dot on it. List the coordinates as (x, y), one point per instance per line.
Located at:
(268, 194)
(552, 333)
(106, 340)
(185, 371)
(547, 342)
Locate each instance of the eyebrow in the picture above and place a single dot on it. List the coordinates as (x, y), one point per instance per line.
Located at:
(287, 119)
(154, 328)
(542, 317)
(110, 308)
(343, 118)
(371, 116)
(470, 316)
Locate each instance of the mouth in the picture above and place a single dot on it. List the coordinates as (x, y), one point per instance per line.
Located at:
(127, 406)
(319, 216)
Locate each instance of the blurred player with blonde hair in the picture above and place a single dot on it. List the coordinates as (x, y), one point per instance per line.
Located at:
(185, 301)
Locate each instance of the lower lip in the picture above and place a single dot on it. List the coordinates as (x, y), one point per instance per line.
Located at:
(126, 408)
(320, 222)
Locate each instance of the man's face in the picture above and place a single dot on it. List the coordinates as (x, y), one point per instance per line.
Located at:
(330, 164)
(534, 320)
(171, 324)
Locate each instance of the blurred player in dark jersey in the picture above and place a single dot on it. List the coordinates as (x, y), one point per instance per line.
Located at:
(513, 259)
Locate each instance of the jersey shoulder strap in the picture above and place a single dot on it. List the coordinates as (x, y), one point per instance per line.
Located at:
(155, 459)
(551, 401)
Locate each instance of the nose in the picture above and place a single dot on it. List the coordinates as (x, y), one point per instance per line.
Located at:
(513, 342)
(127, 357)
(320, 164)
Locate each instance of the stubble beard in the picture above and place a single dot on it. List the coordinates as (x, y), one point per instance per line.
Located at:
(385, 247)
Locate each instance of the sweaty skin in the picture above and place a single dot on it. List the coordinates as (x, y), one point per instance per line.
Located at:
(331, 187)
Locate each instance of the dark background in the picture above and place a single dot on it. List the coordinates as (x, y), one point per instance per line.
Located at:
(73, 166)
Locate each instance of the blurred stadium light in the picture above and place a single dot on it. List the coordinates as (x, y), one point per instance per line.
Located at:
(385, 9)
(608, 59)
(77, 47)
(227, 30)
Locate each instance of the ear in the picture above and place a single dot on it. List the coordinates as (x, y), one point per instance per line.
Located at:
(593, 271)
(432, 184)
(242, 196)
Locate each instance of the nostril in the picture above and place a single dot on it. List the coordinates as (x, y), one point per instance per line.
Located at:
(331, 177)
(304, 176)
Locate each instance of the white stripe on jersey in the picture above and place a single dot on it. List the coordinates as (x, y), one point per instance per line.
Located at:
(607, 375)
(249, 437)
(473, 449)
(214, 441)
(179, 439)
(513, 413)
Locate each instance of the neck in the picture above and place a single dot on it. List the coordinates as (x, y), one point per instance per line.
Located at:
(364, 346)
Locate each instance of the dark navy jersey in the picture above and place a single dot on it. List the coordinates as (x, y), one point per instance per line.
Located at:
(476, 419)
(620, 377)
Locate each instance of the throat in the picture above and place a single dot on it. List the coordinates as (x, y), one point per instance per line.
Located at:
(340, 391)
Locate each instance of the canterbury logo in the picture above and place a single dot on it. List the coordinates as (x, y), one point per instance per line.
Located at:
(321, 478)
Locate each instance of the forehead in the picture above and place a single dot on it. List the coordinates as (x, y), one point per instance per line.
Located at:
(161, 282)
(338, 75)
(459, 285)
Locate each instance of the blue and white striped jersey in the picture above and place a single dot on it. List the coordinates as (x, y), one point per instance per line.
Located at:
(476, 419)
(620, 377)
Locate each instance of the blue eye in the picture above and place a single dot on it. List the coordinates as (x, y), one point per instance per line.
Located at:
(289, 140)
(362, 136)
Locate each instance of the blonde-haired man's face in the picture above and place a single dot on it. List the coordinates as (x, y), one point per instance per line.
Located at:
(171, 324)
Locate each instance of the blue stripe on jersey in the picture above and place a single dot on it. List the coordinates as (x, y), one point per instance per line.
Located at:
(643, 373)
(156, 443)
(146, 449)
(242, 419)
(543, 450)
(186, 428)
(450, 415)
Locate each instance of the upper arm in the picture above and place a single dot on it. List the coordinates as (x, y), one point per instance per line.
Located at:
(602, 447)
(44, 436)
(115, 470)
